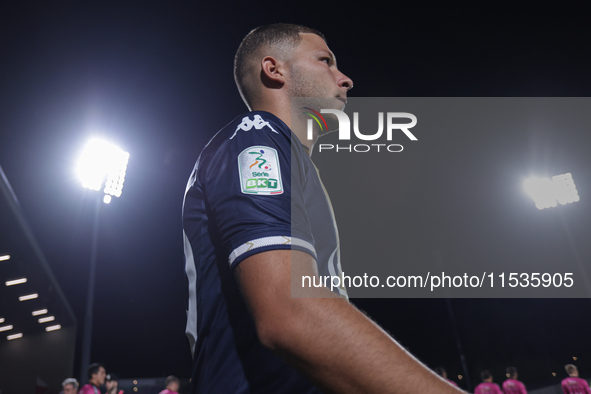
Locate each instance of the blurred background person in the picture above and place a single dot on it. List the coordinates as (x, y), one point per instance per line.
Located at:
(112, 384)
(443, 373)
(96, 378)
(487, 386)
(69, 386)
(573, 384)
(172, 384)
(512, 385)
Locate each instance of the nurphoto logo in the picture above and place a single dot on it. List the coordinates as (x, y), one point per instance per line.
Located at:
(393, 125)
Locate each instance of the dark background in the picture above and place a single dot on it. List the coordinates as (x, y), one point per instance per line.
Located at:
(156, 77)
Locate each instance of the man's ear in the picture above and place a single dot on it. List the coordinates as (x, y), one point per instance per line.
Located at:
(272, 72)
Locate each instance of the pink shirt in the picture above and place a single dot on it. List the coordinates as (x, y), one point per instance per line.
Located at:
(572, 385)
(167, 391)
(452, 382)
(512, 386)
(89, 388)
(488, 388)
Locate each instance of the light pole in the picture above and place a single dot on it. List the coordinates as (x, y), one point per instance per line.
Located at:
(101, 165)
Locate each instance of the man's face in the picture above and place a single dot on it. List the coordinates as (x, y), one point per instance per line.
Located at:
(314, 73)
(100, 376)
(69, 389)
(174, 386)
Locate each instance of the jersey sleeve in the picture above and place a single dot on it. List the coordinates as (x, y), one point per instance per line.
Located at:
(250, 196)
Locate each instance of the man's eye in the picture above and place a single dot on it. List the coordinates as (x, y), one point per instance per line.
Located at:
(326, 60)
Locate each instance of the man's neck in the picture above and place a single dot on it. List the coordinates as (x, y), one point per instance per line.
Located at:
(297, 127)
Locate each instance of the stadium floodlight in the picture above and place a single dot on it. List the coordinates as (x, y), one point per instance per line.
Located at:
(5, 257)
(16, 282)
(39, 312)
(103, 164)
(5, 328)
(14, 336)
(28, 297)
(548, 192)
(53, 328)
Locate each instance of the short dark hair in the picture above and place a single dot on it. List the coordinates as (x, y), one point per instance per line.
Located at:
(511, 371)
(171, 379)
(440, 371)
(93, 369)
(250, 48)
(485, 374)
(113, 377)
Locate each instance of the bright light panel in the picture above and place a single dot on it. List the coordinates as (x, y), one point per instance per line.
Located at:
(28, 297)
(16, 282)
(53, 328)
(5, 328)
(5, 257)
(46, 319)
(39, 312)
(14, 336)
(1, 320)
(99, 161)
(548, 192)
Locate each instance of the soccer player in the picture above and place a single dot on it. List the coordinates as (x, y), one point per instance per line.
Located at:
(112, 384)
(573, 384)
(172, 384)
(70, 386)
(247, 333)
(443, 373)
(487, 386)
(512, 385)
(96, 378)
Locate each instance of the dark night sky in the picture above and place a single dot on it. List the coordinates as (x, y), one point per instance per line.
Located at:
(156, 77)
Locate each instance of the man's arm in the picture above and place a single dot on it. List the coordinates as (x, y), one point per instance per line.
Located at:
(327, 339)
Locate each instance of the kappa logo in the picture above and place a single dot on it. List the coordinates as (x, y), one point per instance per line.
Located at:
(258, 123)
(259, 171)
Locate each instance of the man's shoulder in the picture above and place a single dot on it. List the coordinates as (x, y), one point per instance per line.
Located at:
(251, 127)
(487, 386)
(512, 382)
(572, 381)
(87, 388)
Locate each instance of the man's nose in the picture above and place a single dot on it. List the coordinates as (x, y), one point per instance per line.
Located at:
(344, 81)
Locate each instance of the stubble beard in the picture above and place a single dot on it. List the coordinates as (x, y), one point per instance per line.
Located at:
(311, 95)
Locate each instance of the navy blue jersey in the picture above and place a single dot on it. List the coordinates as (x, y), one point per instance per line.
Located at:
(253, 189)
